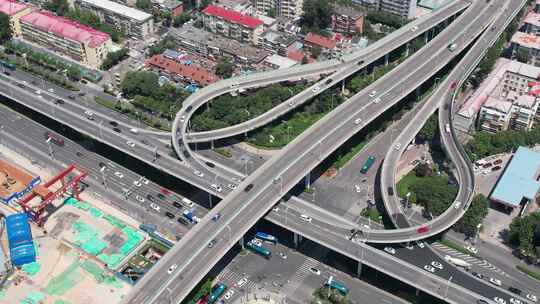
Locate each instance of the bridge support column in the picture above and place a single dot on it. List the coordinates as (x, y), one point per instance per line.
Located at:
(295, 240)
(343, 86)
(418, 93)
(212, 144)
(417, 292)
(407, 49)
(386, 57)
(308, 181)
(210, 200)
(241, 243)
(359, 270)
(426, 36)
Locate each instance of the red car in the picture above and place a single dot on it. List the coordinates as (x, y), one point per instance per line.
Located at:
(165, 191)
(422, 229)
(453, 85)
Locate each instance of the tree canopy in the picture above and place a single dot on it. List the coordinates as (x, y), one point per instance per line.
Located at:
(60, 7)
(114, 57)
(430, 129)
(475, 215)
(145, 5)
(434, 193)
(524, 233)
(317, 15)
(139, 83)
(485, 144)
(5, 28)
(224, 67)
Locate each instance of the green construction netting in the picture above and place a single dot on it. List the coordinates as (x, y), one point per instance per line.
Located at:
(61, 302)
(34, 297)
(64, 281)
(96, 212)
(87, 238)
(100, 275)
(31, 268)
(2, 294)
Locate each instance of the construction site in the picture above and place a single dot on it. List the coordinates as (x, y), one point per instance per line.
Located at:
(78, 247)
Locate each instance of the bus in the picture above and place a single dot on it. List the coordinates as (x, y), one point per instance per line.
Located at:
(367, 164)
(216, 293)
(336, 285)
(8, 65)
(259, 249)
(266, 237)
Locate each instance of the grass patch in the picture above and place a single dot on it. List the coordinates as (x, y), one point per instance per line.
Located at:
(223, 152)
(533, 274)
(404, 184)
(456, 246)
(345, 158)
(372, 213)
(309, 190)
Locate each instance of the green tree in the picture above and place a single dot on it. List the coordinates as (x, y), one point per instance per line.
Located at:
(474, 216)
(74, 73)
(324, 295)
(181, 19)
(145, 5)
(60, 7)
(5, 28)
(113, 58)
(160, 47)
(385, 18)
(224, 67)
(305, 60)
(316, 51)
(430, 129)
(316, 15)
(271, 12)
(434, 193)
(423, 170)
(139, 83)
(524, 233)
(167, 18)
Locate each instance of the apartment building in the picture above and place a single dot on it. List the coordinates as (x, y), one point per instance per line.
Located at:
(15, 11)
(74, 40)
(327, 45)
(347, 20)
(516, 112)
(130, 21)
(283, 8)
(402, 8)
(233, 24)
(277, 42)
(368, 4)
(188, 73)
(528, 45)
(531, 23)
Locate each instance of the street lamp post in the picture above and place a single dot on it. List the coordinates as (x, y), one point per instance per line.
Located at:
(477, 232)
(103, 176)
(51, 152)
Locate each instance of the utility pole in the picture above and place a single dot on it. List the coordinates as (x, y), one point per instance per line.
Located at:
(103, 176)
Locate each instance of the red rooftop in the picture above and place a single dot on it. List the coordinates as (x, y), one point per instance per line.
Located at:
(232, 16)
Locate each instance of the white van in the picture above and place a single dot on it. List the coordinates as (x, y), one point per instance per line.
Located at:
(188, 202)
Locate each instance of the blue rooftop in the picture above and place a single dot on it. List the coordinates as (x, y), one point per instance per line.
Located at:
(519, 178)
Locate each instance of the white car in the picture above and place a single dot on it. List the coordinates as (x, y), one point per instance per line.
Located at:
(275, 209)
(377, 100)
(283, 255)
(51, 90)
(495, 281)
(172, 268)
(414, 28)
(357, 188)
(145, 181)
(457, 204)
(291, 103)
(472, 249)
(216, 187)
(242, 282)
(134, 131)
(499, 300)
(515, 301)
(232, 186)
(182, 118)
(437, 265)
(357, 121)
(398, 146)
(38, 92)
(421, 244)
(390, 250)
(373, 93)
(315, 89)
(198, 173)
(130, 143)
(315, 271)
(137, 183)
(154, 206)
(531, 297)
(228, 294)
(119, 174)
(256, 242)
(140, 198)
(429, 268)
(305, 218)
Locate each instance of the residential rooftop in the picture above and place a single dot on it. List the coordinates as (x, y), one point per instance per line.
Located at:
(192, 72)
(518, 180)
(348, 11)
(532, 18)
(327, 43)
(62, 27)
(280, 61)
(526, 40)
(232, 16)
(120, 9)
(11, 7)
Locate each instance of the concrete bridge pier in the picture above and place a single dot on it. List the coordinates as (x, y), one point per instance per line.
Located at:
(308, 181)
(407, 47)
(359, 270)
(297, 239)
(241, 242)
(386, 58)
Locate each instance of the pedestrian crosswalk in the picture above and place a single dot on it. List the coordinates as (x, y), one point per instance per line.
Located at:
(468, 258)
(301, 273)
(231, 278)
